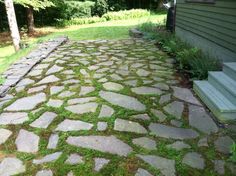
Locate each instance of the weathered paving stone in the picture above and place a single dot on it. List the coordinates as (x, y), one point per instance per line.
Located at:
(122, 100)
(25, 82)
(199, 119)
(165, 99)
(54, 69)
(222, 144)
(73, 125)
(81, 100)
(4, 135)
(37, 89)
(203, 142)
(116, 77)
(129, 126)
(106, 111)
(84, 90)
(13, 118)
(176, 123)
(113, 86)
(175, 108)
(83, 108)
(141, 117)
(48, 79)
(219, 166)
(100, 163)
(145, 143)
(142, 172)
(48, 158)
(185, 95)
(66, 94)
(107, 144)
(172, 132)
(132, 83)
(179, 145)
(194, 160)
(166, 166)
(55, 103)
(56, 89)
(44, 173)
(160, 115)
(53, 141)
(27, 142)
(74, 158)
(27, 103)
(146, 91)
(11, 166)
(142, 72)
(44, 120)
(101, 126)
(161, 86)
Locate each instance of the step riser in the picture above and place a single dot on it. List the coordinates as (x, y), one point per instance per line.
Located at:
(221, 88)
(229, 72)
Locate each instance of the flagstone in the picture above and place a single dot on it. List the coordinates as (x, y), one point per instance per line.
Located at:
(11, 166)
(74, 158)
(44, 120)
(44, 173)
(81, 100)
(73, 125)
(48, 79)
(37, 89)
(113, 86)
(106, 111)
(4, 135)
(141, 117)
(53, 141)
(55, 103)
(142, 172)
(194, 160)
(13, 118)
(48, 158)
(86, 90)
(66, 94)
(175, 108)
(56, 89)
(160, 115)
(146, 91)
(100, 163)
(223, 144)
(102, 126)
(179, 145)
(83, 108)
(54, 69)
(145, 143)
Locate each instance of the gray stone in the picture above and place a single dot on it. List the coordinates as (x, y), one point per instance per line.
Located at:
(199, 119)
(141, 117)
(162, 86)
(74, 159)
(13, 118)
(165, 99)
(146, 91)
(73, 125)
(160, 115)
(11, 166)
(172, 132)
(44, 173)
(176, 123)
(84, 90)
(4, 135)
(179, 145)
(54, 69)
(66, 94)
(25, 82)
(219, 167)
(27, 142)
(194, 160)
(102, 126)
(129, 126)
(142, 172)
(83, 108)
(106, 111)
(37, 89)
(166, 166)
(116, 77)
(48, 158)
(203, 142)
(113, 86)
(27, 103)
(56, 89)
(81, 100)
(44, 120)
(48, 79)
(55, 103)
(122, 100)
(175, 108)
(109, 144)
(100, 163)
(132, 83)
(142, 72)
(53, 141)
(223, 144)
(145, 143)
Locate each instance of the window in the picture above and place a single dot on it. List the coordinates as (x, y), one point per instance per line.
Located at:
(201, 1)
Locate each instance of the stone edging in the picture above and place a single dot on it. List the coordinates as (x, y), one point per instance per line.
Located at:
(20, 68)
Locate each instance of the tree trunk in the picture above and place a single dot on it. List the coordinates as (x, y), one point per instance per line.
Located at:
(13, 24)
(30, 19)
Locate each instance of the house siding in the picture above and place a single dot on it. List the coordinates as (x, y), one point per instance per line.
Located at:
(210, 27)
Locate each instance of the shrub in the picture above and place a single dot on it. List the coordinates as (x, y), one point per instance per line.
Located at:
(100, 8)
(233, 151)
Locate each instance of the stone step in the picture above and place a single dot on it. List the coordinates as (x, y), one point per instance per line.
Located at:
(224, 84)
(220, 106)
(229, 68)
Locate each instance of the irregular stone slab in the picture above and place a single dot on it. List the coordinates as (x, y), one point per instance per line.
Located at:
(4, 135)
(25, 82)
(56, 89)
(48, 79)
(100, 163)
(106, 111)
(185, 95)
(142, 172)
(44, 120)
(166, 166)
(55, 103)
(132, 83)
(165, 99)
(179, 145)
(160, 115)
(142, 72)
(48, 158)
(66, 94)
(194, 160)
(161, 86)
(54, 69)
(44, 173)
(84, 90)
(116, 77)
(199, 119)
(141, 117)
(145, 143)
(203, 142)
(53, 141)
(105, 144)
(27, 103)
(172, 132)
(223, 144)
(74, 159)
(37, 89)
(81, 100)
(13, 118)
(11, 166)
(129, 126)
(175, 108)
(27, 142)
(83, 108)
(146, 91)
(176, 123)
(113, 86)
(102, 126)
(122, 100)
(73, 125)
(219, 167)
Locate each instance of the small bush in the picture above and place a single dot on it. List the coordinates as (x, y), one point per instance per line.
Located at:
(100, 8)
(233, 151)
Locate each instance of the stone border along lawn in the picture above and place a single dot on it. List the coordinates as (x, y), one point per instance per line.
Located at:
(108, 108)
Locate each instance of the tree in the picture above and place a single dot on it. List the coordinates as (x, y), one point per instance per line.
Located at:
(12, 23)
(32, 5)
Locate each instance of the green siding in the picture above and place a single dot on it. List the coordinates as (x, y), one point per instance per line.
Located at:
(215, 23)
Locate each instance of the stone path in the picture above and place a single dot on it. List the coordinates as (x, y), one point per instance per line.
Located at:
(108, 108)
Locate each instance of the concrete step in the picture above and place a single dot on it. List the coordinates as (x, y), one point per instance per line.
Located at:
(218, 103)
(229, 68)
(225, 84)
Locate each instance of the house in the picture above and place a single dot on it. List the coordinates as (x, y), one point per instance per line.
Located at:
(211, 26)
